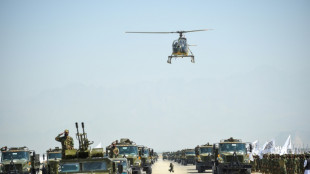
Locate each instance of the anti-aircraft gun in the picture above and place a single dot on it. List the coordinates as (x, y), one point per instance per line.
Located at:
(127, 149)
(230, 156)
(86, 159)
(204, 157)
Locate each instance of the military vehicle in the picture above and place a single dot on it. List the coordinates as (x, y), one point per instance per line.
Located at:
(230, 156)
(88, 160)
(165, 155)
(187, 156)
(146, 159)
(19, 160)
(52, 163)
(204, 156)
(128, 149)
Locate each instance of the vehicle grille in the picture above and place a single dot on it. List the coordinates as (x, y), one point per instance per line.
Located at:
(206, 158)
(19, 168)
(130, 160)
(231, 158)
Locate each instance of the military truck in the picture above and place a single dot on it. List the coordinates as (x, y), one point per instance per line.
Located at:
(128, 149)
(204, 156)
(230, 156)
(187, 156)
(19, 160)
(146, 159)
(165, 155)
(88, 160)
(52, 162)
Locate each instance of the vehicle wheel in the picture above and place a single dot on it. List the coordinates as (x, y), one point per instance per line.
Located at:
(200, 170)
(248, 171)
(149, 170)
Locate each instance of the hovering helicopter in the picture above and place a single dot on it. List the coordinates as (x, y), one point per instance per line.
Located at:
(180, 48)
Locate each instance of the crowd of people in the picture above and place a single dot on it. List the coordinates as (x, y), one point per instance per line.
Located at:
(281, 164)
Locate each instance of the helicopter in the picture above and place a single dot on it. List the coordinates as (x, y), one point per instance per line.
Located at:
(180, 47)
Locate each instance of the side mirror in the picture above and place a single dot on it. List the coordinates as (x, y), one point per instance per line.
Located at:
(120, 168)
(251, 147)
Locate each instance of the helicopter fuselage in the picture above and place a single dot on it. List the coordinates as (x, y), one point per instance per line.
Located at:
(180, 47)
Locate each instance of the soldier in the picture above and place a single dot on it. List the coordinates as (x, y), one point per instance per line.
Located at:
(114, 151)
(282, 164)
(66, 141)
(171, 168)
(307, 164)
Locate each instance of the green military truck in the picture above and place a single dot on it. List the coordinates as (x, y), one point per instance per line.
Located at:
(89, 160)
(204, 156)
(129, 150)
(187, 156)
(19, 160)
(146, 159)
(52, 162)
(230, 156)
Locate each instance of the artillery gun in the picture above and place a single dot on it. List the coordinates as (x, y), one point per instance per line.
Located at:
(204, 157)
(230, 156)
(87, 159)
(19, 160)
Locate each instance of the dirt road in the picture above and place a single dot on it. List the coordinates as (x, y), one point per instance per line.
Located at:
(162, 166)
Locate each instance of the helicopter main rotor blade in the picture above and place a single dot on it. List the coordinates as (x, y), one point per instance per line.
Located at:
(150, 32)
(168, 32)
(193, 30)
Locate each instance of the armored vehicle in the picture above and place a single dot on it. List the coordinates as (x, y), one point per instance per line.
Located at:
(188, 156)
(19, 160)
(53, 158)
(88, 160)
(204, 155)
(127, 149)
(146, 159)
(230, 156)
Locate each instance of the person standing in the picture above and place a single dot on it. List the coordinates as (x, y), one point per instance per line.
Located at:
(66, 141)
(307, 164)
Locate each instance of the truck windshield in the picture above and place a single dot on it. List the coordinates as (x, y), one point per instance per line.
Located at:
(54, 155)
(128, 150)
(146, 152)
(70, 167)
(15, 155)
(190, 153)
(231, 147)
(205, 150)
(94, 166)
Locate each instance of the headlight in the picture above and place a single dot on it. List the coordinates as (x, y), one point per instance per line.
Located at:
(199, 158)
(220, 159)
(137, 163)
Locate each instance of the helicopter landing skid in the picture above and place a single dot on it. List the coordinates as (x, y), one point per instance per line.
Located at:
(170, 57)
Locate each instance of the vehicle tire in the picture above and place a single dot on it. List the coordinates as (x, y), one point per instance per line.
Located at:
(248, 171)
(200, 170)
(214, 170)
(149, 170)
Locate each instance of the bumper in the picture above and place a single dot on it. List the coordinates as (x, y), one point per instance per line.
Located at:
(205, 165)
(235, 167)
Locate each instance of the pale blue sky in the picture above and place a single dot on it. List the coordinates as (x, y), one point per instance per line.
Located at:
(68, 61)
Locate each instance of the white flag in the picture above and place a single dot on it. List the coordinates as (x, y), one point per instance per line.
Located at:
(269, 147)
(255, 146)
(287, 145)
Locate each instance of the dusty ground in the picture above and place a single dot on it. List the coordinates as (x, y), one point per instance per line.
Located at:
(162, 166)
